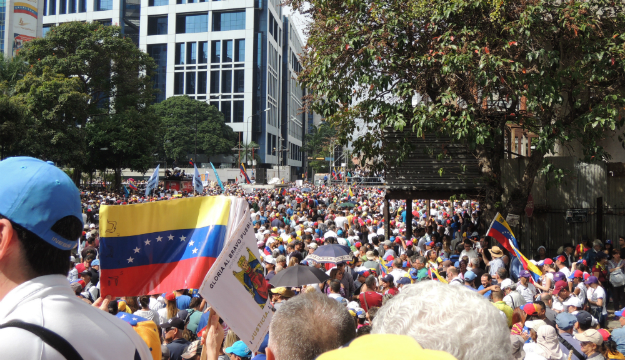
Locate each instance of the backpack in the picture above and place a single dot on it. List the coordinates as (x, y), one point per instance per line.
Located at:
(617, 278)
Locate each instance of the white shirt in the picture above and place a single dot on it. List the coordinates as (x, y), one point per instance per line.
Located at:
(471, 254)
(599, 293)
(157, 304)
(582, 292)
(528, 292)
(340, 221)
(566, 272)
(397, 273)
(49, 301)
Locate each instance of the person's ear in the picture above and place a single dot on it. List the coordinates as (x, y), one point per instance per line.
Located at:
(8, 239)
(269, 354)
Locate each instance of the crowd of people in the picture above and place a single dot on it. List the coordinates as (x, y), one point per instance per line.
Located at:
(445, 290)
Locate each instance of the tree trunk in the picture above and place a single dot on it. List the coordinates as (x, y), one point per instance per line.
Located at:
(118, 179)
(76, 176)
(518, 196)
(489, 159)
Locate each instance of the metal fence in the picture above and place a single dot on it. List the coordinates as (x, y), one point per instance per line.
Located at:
(587, 186)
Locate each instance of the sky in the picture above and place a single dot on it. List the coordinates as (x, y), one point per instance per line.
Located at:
(298, 19)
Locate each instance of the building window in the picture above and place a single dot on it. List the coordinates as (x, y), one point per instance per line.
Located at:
(227, 51)
(239, 81)
(52, 7)
(191, 83)
(225, 109)
(101, 5)
(157, 25)
(158, 2)
(216, 52)
(215, 104)
(268, 144)
(72, 6)
(158, 52)
(203, 54)
(178, 83)
(237, 113)
(45, 29)
(179, 60)
(239, 50)
(202, 82)
(191, 53)
(63, 7)
(226, 81)
(214, 82)
(196, 23)
(224, 21)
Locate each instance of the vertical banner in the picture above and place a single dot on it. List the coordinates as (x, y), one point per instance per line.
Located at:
(217, 177)
(24, 20)
(238, 272)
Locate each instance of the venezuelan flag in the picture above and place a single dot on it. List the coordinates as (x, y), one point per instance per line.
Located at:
(536, 274)
(438, 276)
(132, 184)
(159, 247)
(500, 230)
(350, 191)
(242, 168)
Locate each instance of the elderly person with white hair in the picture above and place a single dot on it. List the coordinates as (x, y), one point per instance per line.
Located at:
(428, 312)
(512, 297)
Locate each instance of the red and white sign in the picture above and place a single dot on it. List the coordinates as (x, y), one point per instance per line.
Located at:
(179, 185)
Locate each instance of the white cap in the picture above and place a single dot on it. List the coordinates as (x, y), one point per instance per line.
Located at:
(506, 284)
(262, 228)
(266, 232)
(534, 324)
(353, 305)
(72, 259)
(312, 245)
(270, 259)
(573, 301)
(309, 230)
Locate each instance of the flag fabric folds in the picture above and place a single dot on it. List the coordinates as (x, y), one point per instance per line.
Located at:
(217, 177)
(283, 192)
(433, 271)
(197, 181)
(500, 230)
(351, 193)
(152, 181)
(126, 192)
(132, 184)
(242, 168)
(162, 246)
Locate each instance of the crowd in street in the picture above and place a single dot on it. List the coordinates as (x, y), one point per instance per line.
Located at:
(445, 291)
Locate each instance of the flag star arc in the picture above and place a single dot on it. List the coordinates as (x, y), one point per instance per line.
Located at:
(183, 238)
(147, 242)
(170, 237)
(158, 239)
(195, 251)
(191, 243)
(136, 250)
(130, 259)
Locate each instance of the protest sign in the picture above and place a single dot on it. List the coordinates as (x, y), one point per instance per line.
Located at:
(235, 286)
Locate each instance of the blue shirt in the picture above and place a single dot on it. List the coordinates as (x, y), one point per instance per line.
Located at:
(486, 294)
(183, 301)
(289, 212)
(176, 348)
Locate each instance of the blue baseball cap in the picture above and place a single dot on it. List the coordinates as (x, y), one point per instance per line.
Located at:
(95, 262)
(619, 313)
(565, 321)
(239, 349)
(35, 195)
(469, 275)
(404, 281)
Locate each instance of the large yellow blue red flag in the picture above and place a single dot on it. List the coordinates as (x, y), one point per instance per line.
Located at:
(162, 246)
(350, 191)
(500, 230)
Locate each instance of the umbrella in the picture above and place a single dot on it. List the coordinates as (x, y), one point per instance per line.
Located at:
(293, 189)
(298, 275)
(348, 204)
(332, 253)
(306, 189)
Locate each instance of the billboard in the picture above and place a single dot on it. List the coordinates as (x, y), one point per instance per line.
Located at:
(25, 21)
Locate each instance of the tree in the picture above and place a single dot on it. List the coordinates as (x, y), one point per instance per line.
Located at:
(11, 71)
(128, 139)
(53, 106)
(11, 126)
(184, 119)
(107, 67)
(317, 145)
(553, 68)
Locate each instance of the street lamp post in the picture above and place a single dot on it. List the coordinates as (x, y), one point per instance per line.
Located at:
(249, 135)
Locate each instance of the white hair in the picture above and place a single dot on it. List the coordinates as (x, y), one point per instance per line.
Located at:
(448, 318)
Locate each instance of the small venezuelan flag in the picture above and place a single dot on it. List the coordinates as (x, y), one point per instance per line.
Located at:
(500, 230)
(162, 246)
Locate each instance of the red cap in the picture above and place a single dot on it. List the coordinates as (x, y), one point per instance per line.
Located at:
(578, 274)
(559, 286)
(604, 333)
(529, 309)
(561, 258)
(548, 261)
(170, 297)
(358, 245)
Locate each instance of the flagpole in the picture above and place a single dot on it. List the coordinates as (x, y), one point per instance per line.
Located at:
(491, 224)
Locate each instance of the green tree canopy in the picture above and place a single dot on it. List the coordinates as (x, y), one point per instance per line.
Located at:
(183, 118)
(317, 145)
(554, 68)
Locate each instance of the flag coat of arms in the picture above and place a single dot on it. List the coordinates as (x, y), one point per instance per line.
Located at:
(162, 246)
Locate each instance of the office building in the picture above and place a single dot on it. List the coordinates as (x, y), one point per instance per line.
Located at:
(238, 55)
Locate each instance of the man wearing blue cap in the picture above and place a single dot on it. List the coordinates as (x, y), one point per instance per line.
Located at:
(238, 351)
(40, 222)
(565, 323)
